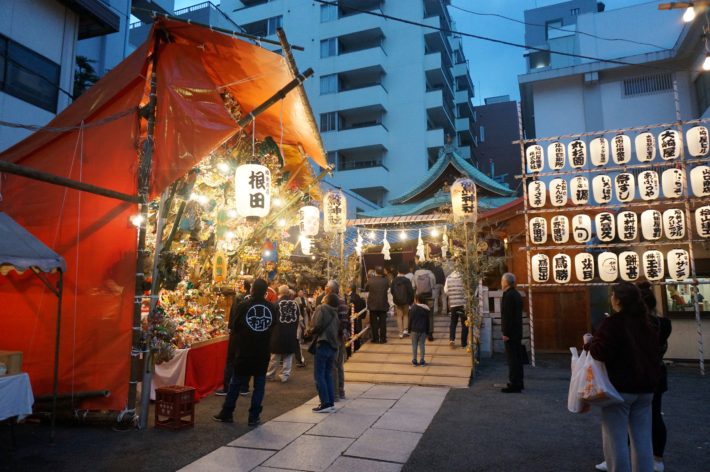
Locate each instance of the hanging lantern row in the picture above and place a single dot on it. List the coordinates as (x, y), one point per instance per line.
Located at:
(628, 266)
(464, 204)
(601, 151)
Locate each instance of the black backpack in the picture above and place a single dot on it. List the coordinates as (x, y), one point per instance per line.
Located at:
(402, 291)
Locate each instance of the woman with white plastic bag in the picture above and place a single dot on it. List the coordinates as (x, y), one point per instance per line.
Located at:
(627, 342)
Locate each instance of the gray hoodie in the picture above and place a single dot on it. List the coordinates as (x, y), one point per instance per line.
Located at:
(326, 324)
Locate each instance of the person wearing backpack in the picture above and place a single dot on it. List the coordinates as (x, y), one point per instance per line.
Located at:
(402, 296)
(424, 283)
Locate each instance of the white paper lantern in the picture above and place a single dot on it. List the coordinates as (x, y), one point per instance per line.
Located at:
(305, 245)
(651, 225)
(608, 266)
(669, 143)
(335, 212)
(359, 242)
(700, 181)
(627, 225)
(558, 192)
(674, 223)
(678, 264)
(579, 190)
(621, 149)
(605, 227)
(582, 228)
(629, 266)
(535, 158)
(601, 188)
(702, 221)
(464, 204)
(584, 267)
(538, 230)
(561, 268)
(673, 183)
(577, 151)
(309, 223)
(252, 190)
(697, 141)
(625, 187)
(653, 265)
(645, 144)
(559, 227)
(556, 155)
(649, 188)
(599, 151)
(540, 268)
(386, 248)
(537, 195)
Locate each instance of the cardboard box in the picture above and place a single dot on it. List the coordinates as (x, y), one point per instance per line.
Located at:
(13, 361)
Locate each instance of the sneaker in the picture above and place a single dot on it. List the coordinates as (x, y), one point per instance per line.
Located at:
(401, 335)
(414, 362)
(658, 466)
(221, 392)
(222, 418)
(430, 337)
(244, 393)
(254, 421)
(324, 409)
(405, 332)
(284, 379)
(515, 390)
(342, 395)
(452, 343)
(601, 466)
(422, 362)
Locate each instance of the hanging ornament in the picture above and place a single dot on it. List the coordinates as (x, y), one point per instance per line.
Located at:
(386, 248)
(540, 268)
(358, 244)
(653, 265)
(625, 187)
(579, 190)
(219, 267)
(601, 187)
(577, 151)
(556, 155)
(678, 264)
(604, 224)
(534, 158)
(537, 194)
(252, 190)
(582, 228)
(629, 266)
(599, 151)
(669, 144)
(444, 244)
(309, 217)
(674, 223)
(561, 265)
(673, 183)
(649, 189)
(621, 149)
(627, 222)
(584, 267)
(463, 201)
(697, 141)
(700, 181)
(651, 225)
(702, 221)
(559, 227)
(420, 247)
(645, 145)
(538, 230)
(334, 212)
(306, 245)
(558, 192)
(608, 266)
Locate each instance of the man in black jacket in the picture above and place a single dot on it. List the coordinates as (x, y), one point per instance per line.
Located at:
(378, 304)
(511, 308)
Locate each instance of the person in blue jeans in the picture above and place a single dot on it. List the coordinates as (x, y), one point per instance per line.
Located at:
(419, 328)
(326, 324)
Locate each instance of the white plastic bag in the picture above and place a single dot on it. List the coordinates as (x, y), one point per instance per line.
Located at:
(595, 388)
(574, 399)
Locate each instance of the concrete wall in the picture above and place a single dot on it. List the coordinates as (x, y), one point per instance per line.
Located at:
(110, 49)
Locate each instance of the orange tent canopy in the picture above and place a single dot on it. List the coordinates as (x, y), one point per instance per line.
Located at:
(97, 140)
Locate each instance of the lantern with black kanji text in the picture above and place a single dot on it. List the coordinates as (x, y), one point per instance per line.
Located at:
(645, 145)
(697, 141)
(334, 212)
(702, 221)
(653, 268)
(464, 204)
(669, 143)
(584, 267)
(561, 268)
(621, 149)
(674, 223)
(629, 266)
(599, 151)
(540, 268)
(309, 220)
(608, 266)
(651, 225)
(678, 264)
(700, 181)
(252, 189)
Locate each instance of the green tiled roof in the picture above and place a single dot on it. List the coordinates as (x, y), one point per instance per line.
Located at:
(436, 201)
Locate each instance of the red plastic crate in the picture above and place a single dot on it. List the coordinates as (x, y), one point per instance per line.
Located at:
(174, 407)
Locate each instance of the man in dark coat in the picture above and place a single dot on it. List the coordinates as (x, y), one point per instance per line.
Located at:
(511, 309)
(232, 345)
(254, 321)
(284, 339)
(378, 304)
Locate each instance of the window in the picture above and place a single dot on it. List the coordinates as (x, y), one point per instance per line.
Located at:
(482, 134)
(552, 29)
(332, 157)
(702, 92)
(680, 298)
(328, 47)
(328, 84)
(648, 84)
(539, 59)
(273, 23)
(328, 13)
(328, 122)
(28, 76)
(575, 11)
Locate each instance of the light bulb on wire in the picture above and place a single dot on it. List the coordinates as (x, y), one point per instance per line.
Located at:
(402, 235)
(137, 220)
(277, 202)
(434, 232)
(689, 14)
(372, 235)
(223, 167)
(706, 62)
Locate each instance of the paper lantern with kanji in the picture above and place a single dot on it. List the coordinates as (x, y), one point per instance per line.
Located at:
(464, 204)
(645, 145)
(702, 221)
(621, 149)
(673, 183)
(653, 265)
(678, 264)
(629, 266)
(651, 225)
(582, 228)
(700, 181)
(252, 190)
(579, 190)
(540, 268)
(625, 187)
(605, 227)
(577, 152)
(669, 144)
(697, 141)
(535, 158)
(305, 245)
(537, 195)
(601, 188)
(538, 230)
(334, 212)
(561, 268)
(558, 192)
(608, 266)
(584, 267)
(308, 217)
(559, 227)
(556, 155)
(649, 188)
(674, 223)
(627, 225)
(599, 151)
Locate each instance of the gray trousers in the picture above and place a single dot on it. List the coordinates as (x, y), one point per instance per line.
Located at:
(339, 370)
(624, 423)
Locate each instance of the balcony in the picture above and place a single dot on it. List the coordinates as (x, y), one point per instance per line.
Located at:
(435, 138)
(438, 111)
(464, 126)
(376, 135)
(95, 18)
(360, 97)
(363, 59)
(462, 96)
(460, 69)
(364, 177)
(351, 24)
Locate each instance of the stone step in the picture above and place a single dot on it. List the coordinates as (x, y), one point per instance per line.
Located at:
(401, 348)
(406, 358)
(430, 369)
(417, 379)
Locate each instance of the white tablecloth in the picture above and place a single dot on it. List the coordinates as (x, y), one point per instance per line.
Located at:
(170, 373)
(16, 397)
